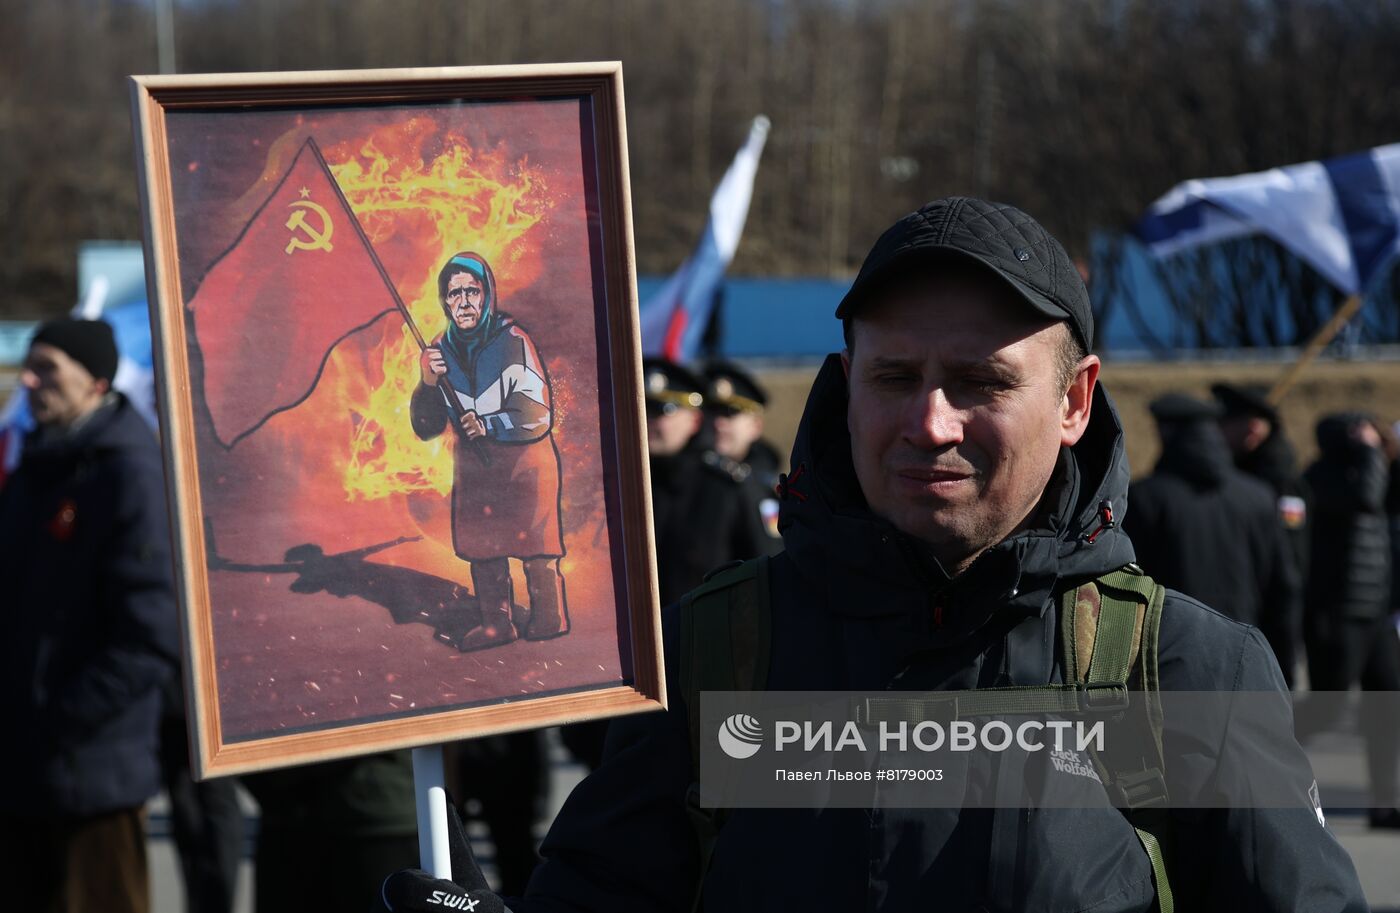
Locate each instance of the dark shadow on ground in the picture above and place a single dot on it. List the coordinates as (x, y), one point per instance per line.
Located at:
(411, 597)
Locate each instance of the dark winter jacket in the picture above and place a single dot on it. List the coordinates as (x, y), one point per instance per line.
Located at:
(764, 463)
(1201, 526)
(367, 796)
(1274, 463)
(90, 620)
(1349, 574)
(1392, 511)
(857, 606)
(703, 518)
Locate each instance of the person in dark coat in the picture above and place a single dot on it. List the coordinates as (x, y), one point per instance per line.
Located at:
(1203, 527)
(90, 633)
(505, 488)
(961, 471)
(703, 517)
(1254, 431)
(355, 817)
(1347, 625)
(1390, 444)
(206, 820)
(503, 781)
(735, 404)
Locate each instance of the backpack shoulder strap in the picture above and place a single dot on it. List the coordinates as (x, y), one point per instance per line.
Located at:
(1109, 631)
(726, 635)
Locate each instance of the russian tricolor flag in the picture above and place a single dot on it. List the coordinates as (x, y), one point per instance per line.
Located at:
(673, 319)
(1341, 215)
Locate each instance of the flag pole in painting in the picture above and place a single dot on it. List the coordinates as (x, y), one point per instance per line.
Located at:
(300, 278)
(1341, 216)
(449, 393)
(673, 319)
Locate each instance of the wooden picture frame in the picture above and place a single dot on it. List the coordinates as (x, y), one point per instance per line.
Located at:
(346, 535)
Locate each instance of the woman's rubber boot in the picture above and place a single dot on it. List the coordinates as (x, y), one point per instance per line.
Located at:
(491, 580)
(549, 612)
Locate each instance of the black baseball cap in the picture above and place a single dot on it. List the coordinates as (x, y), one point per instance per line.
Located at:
(1009, 243)
(1252, 401)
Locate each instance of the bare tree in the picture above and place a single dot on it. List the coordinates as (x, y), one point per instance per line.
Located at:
(1080, 111)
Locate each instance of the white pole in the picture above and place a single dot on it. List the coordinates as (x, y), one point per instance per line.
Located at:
(165, 35)
(428, 785)
(90, 308)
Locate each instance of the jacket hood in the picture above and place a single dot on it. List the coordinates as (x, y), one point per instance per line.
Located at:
(1195, 451)
(827, 525)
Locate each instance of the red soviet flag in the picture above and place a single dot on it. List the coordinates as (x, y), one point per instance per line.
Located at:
(299, 279)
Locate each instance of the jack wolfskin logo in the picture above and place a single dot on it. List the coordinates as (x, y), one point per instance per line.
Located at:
(1070, 762)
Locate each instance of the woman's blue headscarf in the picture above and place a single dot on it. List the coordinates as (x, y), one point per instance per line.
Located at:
(464, 344)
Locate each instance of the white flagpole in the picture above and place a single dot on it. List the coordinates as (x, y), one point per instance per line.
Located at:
(429, 787)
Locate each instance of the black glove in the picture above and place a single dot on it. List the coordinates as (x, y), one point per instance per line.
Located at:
(417, 891)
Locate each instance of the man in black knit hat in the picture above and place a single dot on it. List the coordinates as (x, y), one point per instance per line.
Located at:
(90, 633)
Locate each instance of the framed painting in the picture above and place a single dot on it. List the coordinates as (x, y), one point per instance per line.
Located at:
(399, 383)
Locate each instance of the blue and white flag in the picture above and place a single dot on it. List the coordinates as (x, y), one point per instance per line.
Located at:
(674, 318)
(136, 375)
(1341, 215)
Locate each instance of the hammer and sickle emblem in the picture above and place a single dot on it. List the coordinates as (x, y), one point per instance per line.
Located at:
(314, 240)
